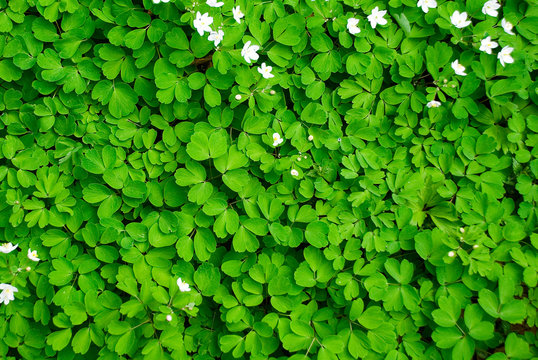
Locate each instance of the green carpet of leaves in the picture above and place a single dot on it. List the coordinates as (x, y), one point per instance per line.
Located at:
(134, 152)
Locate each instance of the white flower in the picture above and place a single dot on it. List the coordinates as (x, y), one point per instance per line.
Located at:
(507, 26)
(433, 103)
(311, 137)
(8, 293)
(487, 45)
(238, 15)
(459, 69)
(277, 140)
(490, 8)
(504, 55)
(159, 1)
(168, 317)
(6, 248)
(476, 246)
(462, 230)
(459, 20)
(266, 71)
(32, 255)
(294, 172)
(376, 17)
(183, 286)
(272, 92)
(352, 26)
(451, 254)
(216, 36)
(190, 305)
(214, 3)
(238, 97)
(426, 5)
(249, 52)
(28, 268)
(202, 22)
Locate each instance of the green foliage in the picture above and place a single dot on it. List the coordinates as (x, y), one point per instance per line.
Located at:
(354, 197)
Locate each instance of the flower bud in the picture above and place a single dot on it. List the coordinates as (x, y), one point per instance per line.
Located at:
(168, 317)
(28, 268)
(451, 254)
(475, 246)
(462, 230)
(311, 137)
(272, 92)
(238, 97)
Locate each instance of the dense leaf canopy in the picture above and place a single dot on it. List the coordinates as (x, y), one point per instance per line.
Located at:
(284, 179)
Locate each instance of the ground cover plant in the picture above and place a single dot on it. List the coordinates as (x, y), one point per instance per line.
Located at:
(277, 179)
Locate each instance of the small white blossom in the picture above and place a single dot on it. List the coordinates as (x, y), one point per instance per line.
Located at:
(299, 158)
(459, 20)
(238, 15)
(507, 26)
(487, 45)
(490, 8)
(28, 268)
(504, 55)
(8, 293)
(311, 137)
(168, 317)
(294, 172)
(238, 97)
(6, 248)
(249, 52)
(433, 103)
(160, 1)
(277, 140)
(352, 26)
(32, 255)
(376, 17)
(266, 71)
(462, 230)
(189, 306)
(183, 286)
(216, 36)
(459, 69)
(426, 5)
(202, 22)
(476, 246)
(272, 92)
(451, 254)
(214, 3)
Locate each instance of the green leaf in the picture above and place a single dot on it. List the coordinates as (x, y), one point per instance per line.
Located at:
(198, 147)
(59, 339)
(123, 100)
(228, 342)
(316, 234)
(516, 347)
(125, 343)
(446, 337)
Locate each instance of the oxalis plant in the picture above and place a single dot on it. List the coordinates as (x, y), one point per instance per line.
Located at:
(286, 179)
